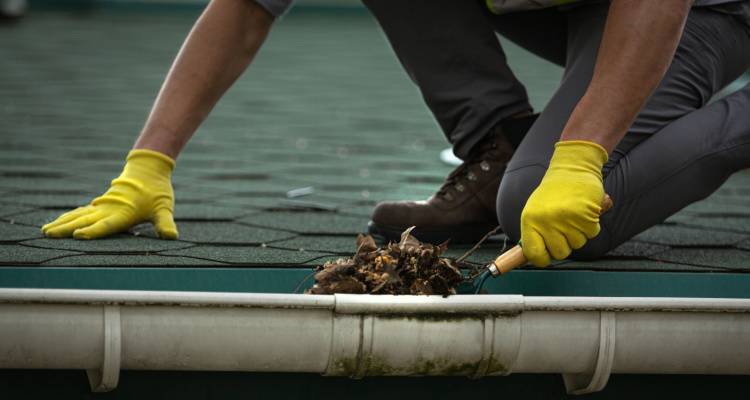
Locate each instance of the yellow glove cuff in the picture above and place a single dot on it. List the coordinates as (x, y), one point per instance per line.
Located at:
(155, 161)
(578, 154)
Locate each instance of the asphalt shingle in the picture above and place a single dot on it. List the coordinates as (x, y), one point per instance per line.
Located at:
(37, 217)
(50, 199)
(258, 203)
(73, 186)
(8, 210)
(227, 232)
(326, 244)
(101, 260)
(122, 243)
(714, 223)
(634, 249)
(676, 235)
(632, 265)
(13, 232)
(717, 206)
(744, 245)
(209, 212)
(244, 255)
(17, 254)
(727, 259)
(309, 222)
(249, 182)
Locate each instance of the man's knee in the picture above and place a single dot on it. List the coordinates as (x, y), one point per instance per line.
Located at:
(515, 188)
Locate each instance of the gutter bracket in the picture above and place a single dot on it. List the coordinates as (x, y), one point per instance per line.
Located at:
(106, 378)
(585, 383)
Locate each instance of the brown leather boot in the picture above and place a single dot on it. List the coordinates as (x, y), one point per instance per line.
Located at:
(463, 210)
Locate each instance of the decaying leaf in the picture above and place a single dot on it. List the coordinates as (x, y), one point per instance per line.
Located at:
(365, 244)
(406, 267)
(408, 242)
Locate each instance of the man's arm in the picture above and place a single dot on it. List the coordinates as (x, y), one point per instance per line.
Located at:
(640, 39)
(218, 49)
(639, 42)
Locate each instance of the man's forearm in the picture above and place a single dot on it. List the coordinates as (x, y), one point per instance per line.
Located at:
(218, 49)
(638, 45)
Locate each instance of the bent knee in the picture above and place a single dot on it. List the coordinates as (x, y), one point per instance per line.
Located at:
(515, 188)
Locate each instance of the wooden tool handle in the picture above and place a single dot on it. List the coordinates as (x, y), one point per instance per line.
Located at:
(514, 257)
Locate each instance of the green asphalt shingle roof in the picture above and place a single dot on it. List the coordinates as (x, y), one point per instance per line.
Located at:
(326, 106)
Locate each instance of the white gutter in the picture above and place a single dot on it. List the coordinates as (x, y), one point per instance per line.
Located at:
(585, 339)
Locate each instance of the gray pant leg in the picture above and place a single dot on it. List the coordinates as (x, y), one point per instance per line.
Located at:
(678, 150)
(541, 32)
(449, 49)
(684, 162)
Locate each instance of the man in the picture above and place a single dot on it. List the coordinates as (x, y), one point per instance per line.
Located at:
(630, 117)
(614, 125)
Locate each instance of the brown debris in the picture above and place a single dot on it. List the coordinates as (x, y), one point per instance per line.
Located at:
(406, 267)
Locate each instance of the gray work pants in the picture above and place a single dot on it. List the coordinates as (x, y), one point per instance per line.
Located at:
(679, 149)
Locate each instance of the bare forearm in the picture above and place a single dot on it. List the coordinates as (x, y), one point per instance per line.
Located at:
(639, 42)
(218, 49)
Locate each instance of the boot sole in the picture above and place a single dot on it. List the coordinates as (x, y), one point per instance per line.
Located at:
(463, 234)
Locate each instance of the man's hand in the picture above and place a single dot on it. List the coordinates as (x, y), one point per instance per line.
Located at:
(563, 212)
(143, 192)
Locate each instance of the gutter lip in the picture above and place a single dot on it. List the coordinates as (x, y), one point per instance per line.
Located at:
(636, 304)
(374, 304)
(165, 298)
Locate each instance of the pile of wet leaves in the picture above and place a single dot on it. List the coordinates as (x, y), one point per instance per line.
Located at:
(406, 267)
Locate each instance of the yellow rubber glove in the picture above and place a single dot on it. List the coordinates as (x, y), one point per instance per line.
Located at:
(143, 192)
(563, 212)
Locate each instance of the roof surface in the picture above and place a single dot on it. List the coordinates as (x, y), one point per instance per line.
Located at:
(325, 106)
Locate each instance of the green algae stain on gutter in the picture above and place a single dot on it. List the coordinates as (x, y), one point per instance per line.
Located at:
(377, 366)
(420, 367)
(285, 280)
